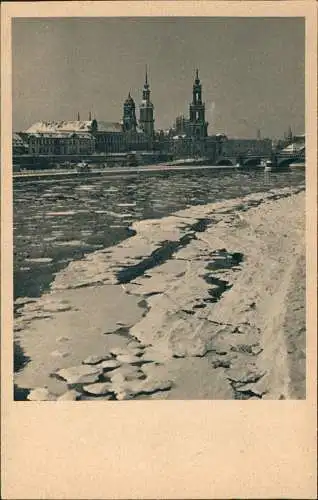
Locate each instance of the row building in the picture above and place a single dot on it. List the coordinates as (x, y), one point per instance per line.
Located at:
(92, 136)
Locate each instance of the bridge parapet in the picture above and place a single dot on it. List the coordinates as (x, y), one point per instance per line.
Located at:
(251, 159)
(296, 154)
(278, 158)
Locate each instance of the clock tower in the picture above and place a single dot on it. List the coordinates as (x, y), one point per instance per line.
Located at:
(198, 127)
(146, 120)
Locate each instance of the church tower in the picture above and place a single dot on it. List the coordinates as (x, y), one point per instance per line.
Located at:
(146, 120)
(129, 115)
(198, 127)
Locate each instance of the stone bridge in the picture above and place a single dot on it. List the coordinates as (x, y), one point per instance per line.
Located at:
(284, 159)
(247, 160)
(280, 159)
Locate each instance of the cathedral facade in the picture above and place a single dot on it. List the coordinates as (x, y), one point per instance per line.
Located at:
(139, 134)
(190, 135)
(130, 134)
(198, 127)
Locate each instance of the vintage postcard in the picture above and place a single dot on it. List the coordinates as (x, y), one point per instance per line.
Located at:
(159, 182)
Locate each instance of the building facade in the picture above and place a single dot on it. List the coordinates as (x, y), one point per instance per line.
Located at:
(60, 138)
(19, 144)
(87, 137)
(129, 115)
(61, 143)
(135, 137)
(245, 147)
(109, 137)
(187, 138)
(181, 126)
(190, 135)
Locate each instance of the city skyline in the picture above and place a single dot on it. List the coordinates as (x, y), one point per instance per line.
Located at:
(246, 66)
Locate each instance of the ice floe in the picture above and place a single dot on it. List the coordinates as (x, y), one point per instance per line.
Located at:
(40, 394)
(71, 395)
(58, 214)
(39, 260)
(98, 389)
(183, 268)
(126, 204)
(80, 374)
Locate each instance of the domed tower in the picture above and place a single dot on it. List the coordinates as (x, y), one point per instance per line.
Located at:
(146, 120)
(198, 127)
(129, 115)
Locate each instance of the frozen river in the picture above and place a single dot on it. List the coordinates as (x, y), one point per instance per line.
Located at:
(56, 222)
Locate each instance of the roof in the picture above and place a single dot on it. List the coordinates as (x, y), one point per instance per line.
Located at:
(129, 100)
(60, 126)
(294, 147)
(103, 126)
(17, 138)
(181, 136)
(61, 135)
(54, 127)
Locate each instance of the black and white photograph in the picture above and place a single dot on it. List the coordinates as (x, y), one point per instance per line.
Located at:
(159, 181)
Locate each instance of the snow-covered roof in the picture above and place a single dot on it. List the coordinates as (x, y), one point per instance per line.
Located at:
(103, 126)
(181, 136)
(17, 139)
(294, 147)
(60, 126)
(61, 135)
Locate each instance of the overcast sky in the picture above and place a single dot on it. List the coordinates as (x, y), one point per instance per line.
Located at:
(252, 70)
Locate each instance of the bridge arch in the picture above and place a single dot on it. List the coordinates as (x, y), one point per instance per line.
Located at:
(284, 163)
(224, 162)
(252, 162)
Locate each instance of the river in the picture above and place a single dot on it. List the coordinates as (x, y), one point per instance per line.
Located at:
(56, 222)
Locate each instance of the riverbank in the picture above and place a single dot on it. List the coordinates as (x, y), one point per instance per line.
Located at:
(202, 304)
(113, 171)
